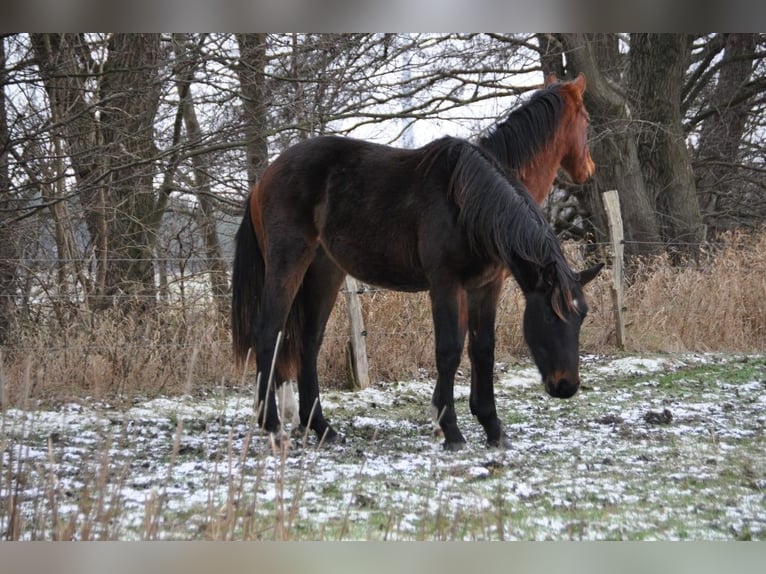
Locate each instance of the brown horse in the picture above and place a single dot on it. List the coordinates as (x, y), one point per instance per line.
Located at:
(547, 132)
(451, 218)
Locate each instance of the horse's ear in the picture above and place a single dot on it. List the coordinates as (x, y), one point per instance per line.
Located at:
(551, 79)
(580, 82)
(589, 274)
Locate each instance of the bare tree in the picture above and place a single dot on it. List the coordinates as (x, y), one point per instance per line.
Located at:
(717, 157)
(8, 250)
(107, 111)
(657, 101)
(187, 60)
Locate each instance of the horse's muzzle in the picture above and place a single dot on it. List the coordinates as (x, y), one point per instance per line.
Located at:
(562, 385)
(585, 172)
(590, 167)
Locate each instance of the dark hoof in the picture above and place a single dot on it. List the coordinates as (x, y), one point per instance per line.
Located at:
(503, 442)
(453, 446)
(331, 437)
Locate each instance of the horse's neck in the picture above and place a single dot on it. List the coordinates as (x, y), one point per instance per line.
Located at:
(538, 174)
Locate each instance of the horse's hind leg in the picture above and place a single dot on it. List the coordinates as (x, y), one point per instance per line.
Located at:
(287, 263)
(448, 306)
(482, 308)
(320, 289)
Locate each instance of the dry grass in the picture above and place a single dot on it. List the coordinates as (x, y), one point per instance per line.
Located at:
(715, 304)
(108, 355)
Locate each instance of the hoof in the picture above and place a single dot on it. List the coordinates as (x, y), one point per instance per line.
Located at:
(503, 443)
(331, 437)
(453, 446)
(279, 441)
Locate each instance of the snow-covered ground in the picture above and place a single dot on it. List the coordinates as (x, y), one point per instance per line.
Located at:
(664, 447)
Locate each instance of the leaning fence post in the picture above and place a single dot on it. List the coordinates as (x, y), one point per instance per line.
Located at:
(357, 348)
(612, 207)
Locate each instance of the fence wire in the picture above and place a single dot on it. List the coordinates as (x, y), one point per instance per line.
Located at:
(186, 289)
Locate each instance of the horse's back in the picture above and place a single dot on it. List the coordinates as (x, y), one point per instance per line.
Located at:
(345, 177)
(382, 213)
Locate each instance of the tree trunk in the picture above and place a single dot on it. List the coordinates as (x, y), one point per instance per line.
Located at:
(252, 79)
(64, 64)
(721, 135)
(51, 190)
(131, 90)
(8, 247)
(613, 143)
(656, 71)
(112, 152)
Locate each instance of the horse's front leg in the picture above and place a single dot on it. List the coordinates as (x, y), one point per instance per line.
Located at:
(448, 306)
(482, 307)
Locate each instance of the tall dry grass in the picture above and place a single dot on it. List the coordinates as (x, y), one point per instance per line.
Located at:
(109, 355)
(716, 303)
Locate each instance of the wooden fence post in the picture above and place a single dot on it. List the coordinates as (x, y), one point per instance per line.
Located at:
(612, 207)
(357, 347)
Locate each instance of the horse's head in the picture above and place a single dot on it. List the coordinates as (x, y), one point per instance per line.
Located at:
(552, 321)
(576, 160)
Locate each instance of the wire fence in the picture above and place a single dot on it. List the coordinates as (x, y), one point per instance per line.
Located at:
(190, 272)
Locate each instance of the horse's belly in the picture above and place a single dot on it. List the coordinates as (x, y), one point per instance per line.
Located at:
(394, 279)
(392, 264)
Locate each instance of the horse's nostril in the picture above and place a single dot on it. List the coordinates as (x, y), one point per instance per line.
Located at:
(568, 387)
(563, 387)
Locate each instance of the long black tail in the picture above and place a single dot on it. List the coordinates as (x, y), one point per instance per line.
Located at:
(246, 286)
(247, 280)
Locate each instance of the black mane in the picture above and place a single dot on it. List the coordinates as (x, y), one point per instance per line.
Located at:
(526, 130)
(500, 218)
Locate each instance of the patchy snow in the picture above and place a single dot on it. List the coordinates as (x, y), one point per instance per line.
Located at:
(592, 467)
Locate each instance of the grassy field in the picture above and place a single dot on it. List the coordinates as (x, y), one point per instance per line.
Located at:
(663, 447)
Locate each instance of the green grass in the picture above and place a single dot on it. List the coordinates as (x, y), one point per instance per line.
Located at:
(741, 370)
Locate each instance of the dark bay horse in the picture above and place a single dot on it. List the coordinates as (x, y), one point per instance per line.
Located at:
(451, 217)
